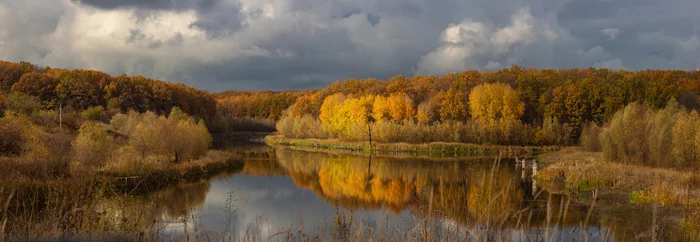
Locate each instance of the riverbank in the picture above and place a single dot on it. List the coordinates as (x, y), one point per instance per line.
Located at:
(129, 179)
(211, 165)
(572, 170)
(433, 150)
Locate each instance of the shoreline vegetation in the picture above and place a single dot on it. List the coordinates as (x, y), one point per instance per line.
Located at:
(433, 149)
(84, 132)
(573, 170)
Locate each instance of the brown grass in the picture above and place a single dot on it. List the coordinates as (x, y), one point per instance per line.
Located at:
(578, 170)
(432, 149)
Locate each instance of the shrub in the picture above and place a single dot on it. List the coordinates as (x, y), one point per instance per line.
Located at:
(552, 132)
(96, 113)
(20, 136)
(178, 136)
(590, 137)
(92, 146)
(304, 126)
(683, 138)
(38, 151)
(22, 103)
(11, 134)
(624, 139)
(665, 138)
(128, 162)
(2, 104)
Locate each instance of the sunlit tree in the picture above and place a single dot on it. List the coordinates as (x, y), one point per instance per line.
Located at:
(494, 102)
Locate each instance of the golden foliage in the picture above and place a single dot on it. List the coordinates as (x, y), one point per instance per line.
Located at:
(178, 136)
(494, 102)
(401, 107)
(451, 105)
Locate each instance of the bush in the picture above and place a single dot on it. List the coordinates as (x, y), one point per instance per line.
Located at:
(92, 146)
(590, 137)
(96, 113)
(178, 136)
(128, 162)
(11, 139)
(301, 127)
(641, 135)
(2, 104)
(554, 133)
(43, 152)
(22, 103)
(625, 140)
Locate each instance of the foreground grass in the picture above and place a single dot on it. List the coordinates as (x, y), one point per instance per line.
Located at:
(212, 164)
(575, 170)
(128, 177)
(434, 149)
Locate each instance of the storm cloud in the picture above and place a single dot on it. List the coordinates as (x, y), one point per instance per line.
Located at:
(296, 44)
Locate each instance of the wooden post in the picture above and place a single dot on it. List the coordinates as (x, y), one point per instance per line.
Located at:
(60, 116)
(534, 168)
(534, 187)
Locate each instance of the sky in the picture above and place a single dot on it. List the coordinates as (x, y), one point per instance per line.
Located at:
(297, 44)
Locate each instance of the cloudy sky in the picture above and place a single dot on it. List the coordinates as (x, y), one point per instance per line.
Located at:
(295, 44)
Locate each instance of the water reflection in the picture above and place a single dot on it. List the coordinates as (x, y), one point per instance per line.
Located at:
(313, 194)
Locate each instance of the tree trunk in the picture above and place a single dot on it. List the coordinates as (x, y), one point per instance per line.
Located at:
(369, 127)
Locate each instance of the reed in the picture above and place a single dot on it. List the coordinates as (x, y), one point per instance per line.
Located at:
(434, 149)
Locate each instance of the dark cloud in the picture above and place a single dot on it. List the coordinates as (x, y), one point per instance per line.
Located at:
(282, 44)
(148, 4)
(219, 20)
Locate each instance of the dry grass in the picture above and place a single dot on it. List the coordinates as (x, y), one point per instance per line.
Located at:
(579, 170)
(433, 149)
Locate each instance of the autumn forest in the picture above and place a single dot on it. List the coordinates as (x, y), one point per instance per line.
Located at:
(550, 106)
(59, 128)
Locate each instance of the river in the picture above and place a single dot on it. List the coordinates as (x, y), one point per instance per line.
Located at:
(283, 194)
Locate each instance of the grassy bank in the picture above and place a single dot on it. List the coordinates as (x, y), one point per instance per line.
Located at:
(434, 149)
(133, 178)
(572, 171)
(214, 163)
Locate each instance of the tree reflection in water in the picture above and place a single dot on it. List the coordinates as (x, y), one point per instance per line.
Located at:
(431, 199)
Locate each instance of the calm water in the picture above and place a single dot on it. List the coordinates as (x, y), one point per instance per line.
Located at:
(282, 193)
(308, 193)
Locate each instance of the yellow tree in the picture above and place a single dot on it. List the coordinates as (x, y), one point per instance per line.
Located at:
(451, 105)
(425, 113)
(339, 114)
(380, 109)
(354, 112)
(401, 107)
(495, 102)
(329, 113)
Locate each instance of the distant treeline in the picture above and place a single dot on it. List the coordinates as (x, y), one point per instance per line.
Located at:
(573, 97)
(81, 89)
(85, 89)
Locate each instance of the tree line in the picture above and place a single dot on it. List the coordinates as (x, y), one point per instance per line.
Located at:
(549, 102)
(82, 89)
(573, 96)
(561, 99)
